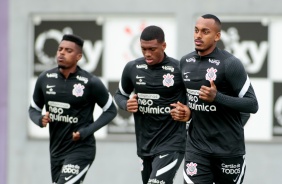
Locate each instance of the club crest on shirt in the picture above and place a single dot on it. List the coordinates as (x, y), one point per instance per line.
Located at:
(191, 168)
(211, 74)
(168, 80)
(78, 90)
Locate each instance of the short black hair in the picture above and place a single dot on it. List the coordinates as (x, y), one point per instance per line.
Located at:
(153, 32)
(74, 38)
(215, 18)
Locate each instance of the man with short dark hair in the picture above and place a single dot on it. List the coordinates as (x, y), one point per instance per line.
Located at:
(155, 80)
(220, 97)
(69, 95)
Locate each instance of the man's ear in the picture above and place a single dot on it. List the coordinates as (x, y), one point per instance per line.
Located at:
(217, 37)
(164, 45)
(79, 56)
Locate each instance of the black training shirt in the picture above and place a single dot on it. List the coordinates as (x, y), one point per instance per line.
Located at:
(157, 87)
(216, 128)
(71, 103)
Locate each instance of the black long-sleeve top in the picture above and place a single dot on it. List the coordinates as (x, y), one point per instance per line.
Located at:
(216, 128)
(71, 103)
(157, 87)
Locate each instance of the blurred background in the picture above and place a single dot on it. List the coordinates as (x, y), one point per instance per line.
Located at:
(30, 31)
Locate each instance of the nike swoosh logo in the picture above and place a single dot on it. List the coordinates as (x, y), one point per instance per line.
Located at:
(67, 178)
(236, 178)
(139, 77)
(162, 156)
(50, 86)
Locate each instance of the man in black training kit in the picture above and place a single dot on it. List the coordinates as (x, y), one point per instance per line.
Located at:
(69, 95)
(156, 82)
(218, 90)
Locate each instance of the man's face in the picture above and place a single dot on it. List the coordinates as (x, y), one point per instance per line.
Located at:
(206, 35)
(68, 54)
(153, 51)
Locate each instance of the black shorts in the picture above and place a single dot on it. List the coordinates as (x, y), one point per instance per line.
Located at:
(200, 169)
(71, 169)
(160, 168)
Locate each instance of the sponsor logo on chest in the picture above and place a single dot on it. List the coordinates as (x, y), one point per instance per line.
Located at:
(52, 75)
(140, 80)
(50, 90)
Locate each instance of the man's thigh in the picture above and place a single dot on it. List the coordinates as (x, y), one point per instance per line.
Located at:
(200, 169)
(229, 170)
(146, 168)
(164, 167)
(197, 169)
(71, 170)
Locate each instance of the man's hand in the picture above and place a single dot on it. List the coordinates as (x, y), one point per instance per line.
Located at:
(45, 119)
(75, 136)
(132, 104)
(180, 112)
(208, 93)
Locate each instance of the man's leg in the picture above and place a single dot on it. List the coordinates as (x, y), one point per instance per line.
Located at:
(75, 167)
(164, 167)
(229, 170)
(197, 169)
(56, 167)
(146, 168)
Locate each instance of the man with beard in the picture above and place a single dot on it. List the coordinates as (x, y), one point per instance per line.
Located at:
(220, 97)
